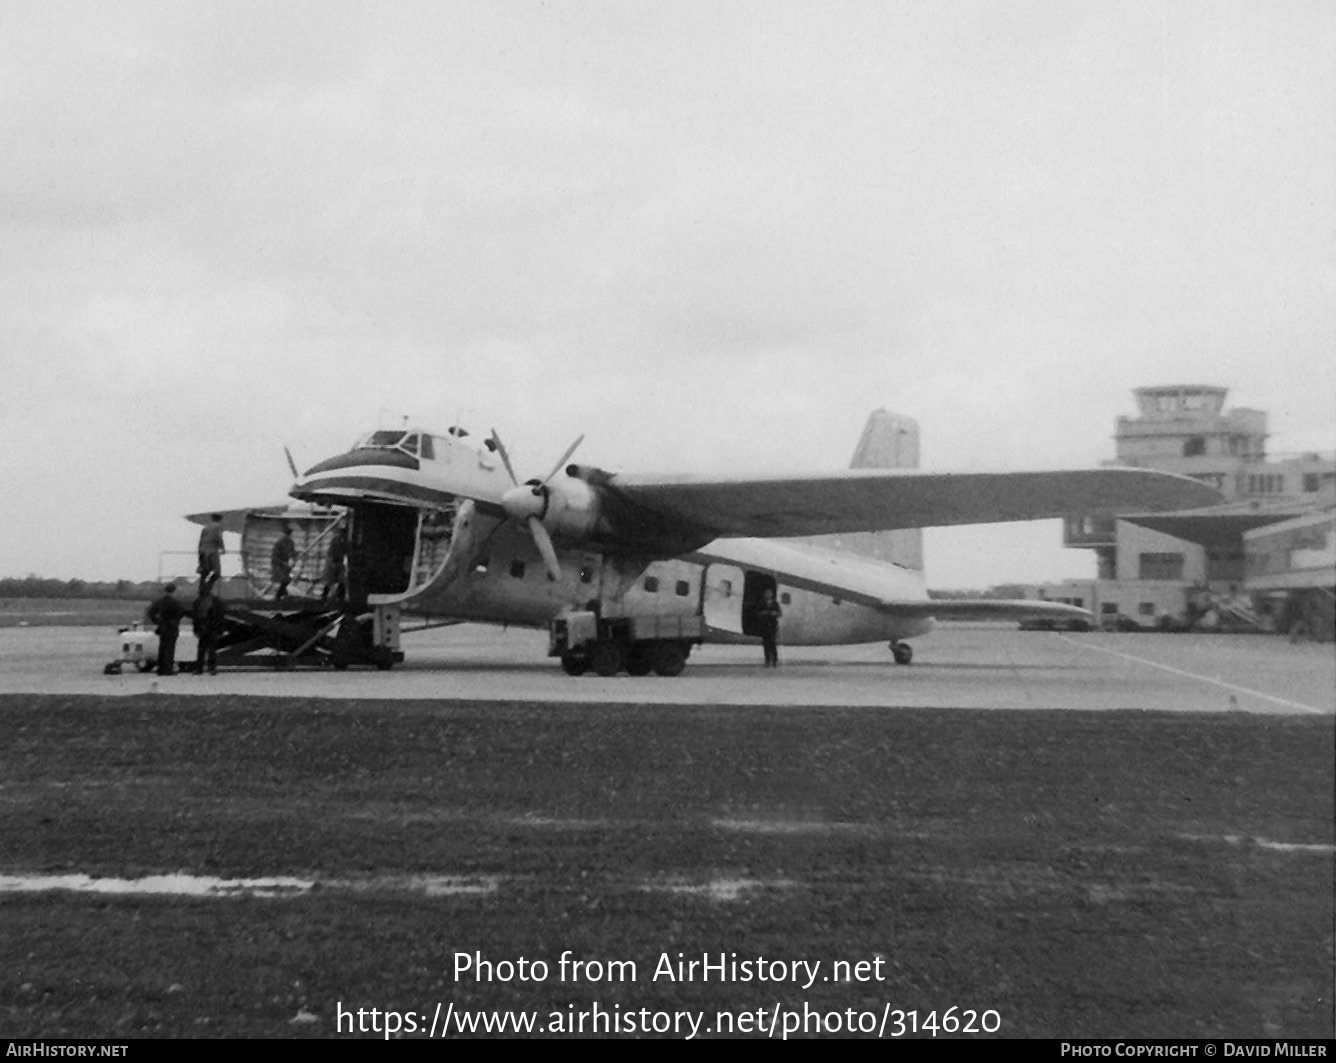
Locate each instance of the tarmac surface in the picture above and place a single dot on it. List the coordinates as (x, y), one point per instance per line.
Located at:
(957, 666)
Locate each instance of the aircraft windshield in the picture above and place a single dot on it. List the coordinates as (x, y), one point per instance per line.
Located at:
(392, 439)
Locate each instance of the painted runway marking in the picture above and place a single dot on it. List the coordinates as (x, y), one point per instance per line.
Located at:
(1194, 675)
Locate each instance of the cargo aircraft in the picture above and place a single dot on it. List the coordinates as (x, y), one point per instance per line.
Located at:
(442, 526)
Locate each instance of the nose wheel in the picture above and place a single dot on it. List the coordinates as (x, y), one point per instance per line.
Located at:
(903, 652)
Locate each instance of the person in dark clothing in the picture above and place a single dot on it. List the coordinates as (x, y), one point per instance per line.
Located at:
(336, 565)
(165, 616)
(211, 549)
(767, 620)
(280, 562)
(207, 617)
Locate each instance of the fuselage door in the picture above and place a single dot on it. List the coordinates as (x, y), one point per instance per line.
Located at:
(753, 595)
(723, 598)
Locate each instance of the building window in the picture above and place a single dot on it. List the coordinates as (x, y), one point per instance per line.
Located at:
(517, 569)
(1161, 566)
(652, 584)
(586, 575)
(1146, 608)
(1312, 482)
(1194, 447)
(683, 588)
(1109, 608)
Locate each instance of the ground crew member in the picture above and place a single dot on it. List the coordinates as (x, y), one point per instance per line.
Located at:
(280, 561)
(165, 616)
(211, 550)
(207, 618)
(767, 623)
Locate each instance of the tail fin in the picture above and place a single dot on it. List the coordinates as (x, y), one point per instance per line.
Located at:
(889, 441)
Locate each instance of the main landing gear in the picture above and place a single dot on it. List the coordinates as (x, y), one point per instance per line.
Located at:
(903, 652)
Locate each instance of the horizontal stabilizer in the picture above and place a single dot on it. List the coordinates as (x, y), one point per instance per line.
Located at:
(987, 609)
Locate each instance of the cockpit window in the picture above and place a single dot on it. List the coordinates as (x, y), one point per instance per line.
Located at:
(381, 439)
(410, 443)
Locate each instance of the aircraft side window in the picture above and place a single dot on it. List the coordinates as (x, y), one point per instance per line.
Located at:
(652, 584)
(785, 598)
(683, 588)
(517, 569)
(586, 574)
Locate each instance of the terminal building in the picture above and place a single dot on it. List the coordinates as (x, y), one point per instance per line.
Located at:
(1194, 568)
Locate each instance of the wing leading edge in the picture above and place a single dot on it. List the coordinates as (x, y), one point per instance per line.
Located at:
(886, 499)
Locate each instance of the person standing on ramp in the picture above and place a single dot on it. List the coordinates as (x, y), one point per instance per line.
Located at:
(767, 621)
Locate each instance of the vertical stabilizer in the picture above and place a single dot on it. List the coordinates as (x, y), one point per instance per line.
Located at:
(889, 441)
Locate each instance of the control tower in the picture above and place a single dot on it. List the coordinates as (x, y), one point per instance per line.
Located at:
(1185, 429)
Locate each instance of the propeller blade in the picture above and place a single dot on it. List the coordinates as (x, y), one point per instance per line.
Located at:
(291, 464)
(505, 458)
(564, 458)
(544, 543)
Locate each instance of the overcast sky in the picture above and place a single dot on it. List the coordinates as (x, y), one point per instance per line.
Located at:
(711, 236)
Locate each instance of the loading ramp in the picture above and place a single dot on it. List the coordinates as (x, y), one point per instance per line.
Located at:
(301, 632)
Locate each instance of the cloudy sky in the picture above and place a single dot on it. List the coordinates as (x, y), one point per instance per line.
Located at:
(711, 236)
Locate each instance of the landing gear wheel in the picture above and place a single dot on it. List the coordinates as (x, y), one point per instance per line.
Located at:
(670, 658)
(903, 652)
(146, 665)
(607, 658)
(572, 665)
(112, 669)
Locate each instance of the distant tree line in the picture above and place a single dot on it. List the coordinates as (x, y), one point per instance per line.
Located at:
(38, 587)
(1006, 590)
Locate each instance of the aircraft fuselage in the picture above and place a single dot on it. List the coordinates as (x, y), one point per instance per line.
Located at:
(423, 546)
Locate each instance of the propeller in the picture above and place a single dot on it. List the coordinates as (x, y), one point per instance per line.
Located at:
(291, 464)
(529, 502)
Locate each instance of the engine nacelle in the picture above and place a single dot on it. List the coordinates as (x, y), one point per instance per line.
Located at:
(573, 510)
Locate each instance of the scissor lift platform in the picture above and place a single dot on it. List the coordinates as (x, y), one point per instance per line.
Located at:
(300, 632)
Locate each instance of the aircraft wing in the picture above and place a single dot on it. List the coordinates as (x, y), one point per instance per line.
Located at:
(885, 499)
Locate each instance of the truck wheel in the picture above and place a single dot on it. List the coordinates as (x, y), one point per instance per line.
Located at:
(573, 665)
(670, 658)
(640, 661)
(607, 658)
